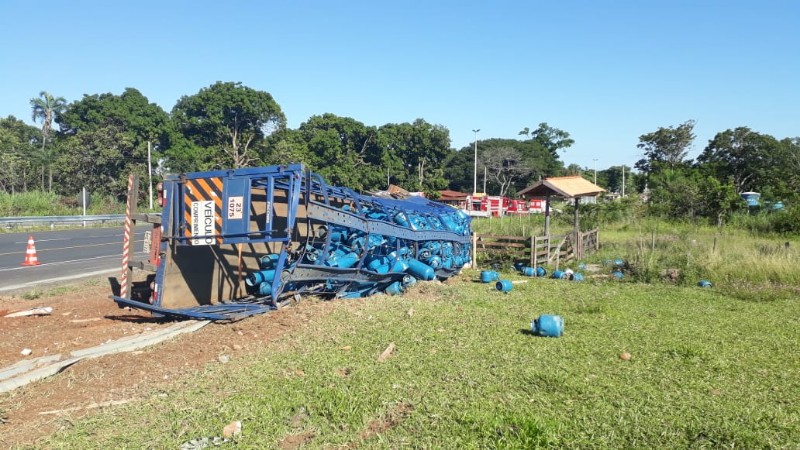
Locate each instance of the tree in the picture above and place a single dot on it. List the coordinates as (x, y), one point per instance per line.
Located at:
(790, 167)
(101, 159)
(538, 159)
(612, 177)
(505, 165)
(549, 138)
(665, 147)
(230, 118)
(675, 193)
(746, 157)
(287, 147)
(414, 153)
(18, 141)
(575, 169)
(717, 200)
(458, 168)
(44, 109)
(344, 151)
(113, 131)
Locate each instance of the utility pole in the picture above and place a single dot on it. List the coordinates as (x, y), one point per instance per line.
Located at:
(475, 167)
(484, 180)
(595, 170)
(149, 176)
(623, 181)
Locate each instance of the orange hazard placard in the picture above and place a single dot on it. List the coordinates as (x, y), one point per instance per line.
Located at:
(203, 210)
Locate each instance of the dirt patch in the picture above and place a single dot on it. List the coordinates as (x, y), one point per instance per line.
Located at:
(294, 441)
(390, 419)
(84, 317)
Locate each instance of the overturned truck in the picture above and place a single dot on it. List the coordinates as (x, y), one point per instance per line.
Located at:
(230, 244)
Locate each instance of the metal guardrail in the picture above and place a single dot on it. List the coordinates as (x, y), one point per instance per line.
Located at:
(53, 221)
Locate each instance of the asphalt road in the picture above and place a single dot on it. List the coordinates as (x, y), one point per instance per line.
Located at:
(64, 256)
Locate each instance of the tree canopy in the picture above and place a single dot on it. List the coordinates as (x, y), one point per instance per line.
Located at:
(665, 147)
(101, 138)
(230, 117)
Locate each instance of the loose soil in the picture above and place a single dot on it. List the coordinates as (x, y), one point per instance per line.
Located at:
(85, 317)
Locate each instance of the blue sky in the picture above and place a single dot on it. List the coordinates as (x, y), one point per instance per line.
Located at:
(604, 71)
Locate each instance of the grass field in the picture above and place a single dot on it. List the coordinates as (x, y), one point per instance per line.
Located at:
(708, 370)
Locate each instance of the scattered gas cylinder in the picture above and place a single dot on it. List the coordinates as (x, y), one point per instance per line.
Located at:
(559, 275)
(548, 325)
(705, 284)
(618, 274)
(394, 288)
(503, 286)
(577, 276)
(487, 276)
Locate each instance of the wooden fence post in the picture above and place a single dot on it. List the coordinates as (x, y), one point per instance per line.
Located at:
(474, 250)
(533, 251)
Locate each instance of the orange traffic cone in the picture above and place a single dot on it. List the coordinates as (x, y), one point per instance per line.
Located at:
(30, 254)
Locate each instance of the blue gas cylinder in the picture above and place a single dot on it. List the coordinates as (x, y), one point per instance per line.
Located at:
(344, 261)
(379, 265)
(503, 285)
(577, 276)
(705, 284)
(256, 278)
(394, 288)
(617, 274)
(399, 266)
(548, 325)
(528, 271)
(541, 271)
(487, 276)
(435, 262)
(409, 280)
(559, 275)
(267, 262)
(420, 270)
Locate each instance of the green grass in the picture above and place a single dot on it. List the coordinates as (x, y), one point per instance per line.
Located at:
(731, 258)
(38, 203)
(707, 371)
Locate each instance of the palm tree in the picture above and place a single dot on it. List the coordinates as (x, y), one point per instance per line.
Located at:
(44, 109)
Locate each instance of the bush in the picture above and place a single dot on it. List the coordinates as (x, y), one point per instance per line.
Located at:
(786, 221)
(38, 203)
(593, 215)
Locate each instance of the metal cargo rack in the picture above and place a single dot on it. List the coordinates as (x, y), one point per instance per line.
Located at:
(230, 244)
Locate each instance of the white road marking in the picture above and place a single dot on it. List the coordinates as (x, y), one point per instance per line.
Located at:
(74, 246)
(69, 238)
(57, 279)
(9, 269)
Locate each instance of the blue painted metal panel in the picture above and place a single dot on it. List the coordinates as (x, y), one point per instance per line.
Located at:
(236, 213)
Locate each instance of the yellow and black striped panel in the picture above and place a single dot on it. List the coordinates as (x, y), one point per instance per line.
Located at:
(203, 210)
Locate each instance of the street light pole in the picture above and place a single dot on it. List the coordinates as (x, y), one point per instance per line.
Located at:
(595, 170)
(475, 167)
